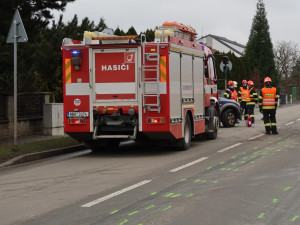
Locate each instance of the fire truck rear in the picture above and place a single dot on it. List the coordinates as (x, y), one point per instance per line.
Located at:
(122, 87)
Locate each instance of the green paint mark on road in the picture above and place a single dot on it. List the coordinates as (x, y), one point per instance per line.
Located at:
(168, 207)
(182, 180)
(275, 200)
(215, 181)
(174, 196)
(255, 148)
(208, 168)
(236, 169)
(196, 181)
(203, 181)
(233, 157)
(243, 162)
(233, 164)
(123, 222)
(190, 195)
(287, 188)
(245, 157)
(294, 218)
(229, 169)
(252, 162)
(168, 195)
(261, 216)
(153, 193)
(132, 213)
(150, 207)
(244, 153)
(222, 163)
(113, 212)
(298, 178)
(223, 169)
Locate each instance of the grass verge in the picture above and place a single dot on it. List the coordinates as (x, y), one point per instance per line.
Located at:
(7, 153)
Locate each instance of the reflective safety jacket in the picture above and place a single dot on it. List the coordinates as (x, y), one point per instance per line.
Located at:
(253, 97)
(244, 95)
(268, 98)
(230, 94)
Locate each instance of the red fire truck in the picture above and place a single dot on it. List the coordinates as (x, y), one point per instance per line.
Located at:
(122, 87)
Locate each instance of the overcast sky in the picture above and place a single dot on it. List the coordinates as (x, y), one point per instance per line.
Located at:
(231, 19)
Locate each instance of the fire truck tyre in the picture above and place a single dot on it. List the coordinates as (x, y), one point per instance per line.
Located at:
(228, 118)
(214, 134)
(185, 142)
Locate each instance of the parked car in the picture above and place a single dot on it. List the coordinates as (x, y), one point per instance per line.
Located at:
(230, 112)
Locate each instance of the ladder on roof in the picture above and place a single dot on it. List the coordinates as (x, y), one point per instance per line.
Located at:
(151, 91)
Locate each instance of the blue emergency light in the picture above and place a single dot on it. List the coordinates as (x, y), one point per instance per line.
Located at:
(76, 59)
(76, 53)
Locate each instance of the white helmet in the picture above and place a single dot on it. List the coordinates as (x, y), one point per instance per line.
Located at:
(235, 84)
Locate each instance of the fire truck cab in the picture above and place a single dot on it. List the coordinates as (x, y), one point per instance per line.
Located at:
(125, 88)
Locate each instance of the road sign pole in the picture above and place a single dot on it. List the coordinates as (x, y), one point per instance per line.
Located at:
(16, 34)
(15, 84)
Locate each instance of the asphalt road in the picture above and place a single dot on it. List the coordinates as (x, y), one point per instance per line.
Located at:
(243, 177)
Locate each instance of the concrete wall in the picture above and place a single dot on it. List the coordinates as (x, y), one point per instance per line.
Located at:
(53, 119)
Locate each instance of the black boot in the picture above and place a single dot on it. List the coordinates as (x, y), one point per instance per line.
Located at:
(274, 130)
(268, 130)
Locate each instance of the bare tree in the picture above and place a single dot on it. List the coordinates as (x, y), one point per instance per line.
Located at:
(286, 55)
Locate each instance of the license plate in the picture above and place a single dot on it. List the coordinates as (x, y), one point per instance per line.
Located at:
(78, 114)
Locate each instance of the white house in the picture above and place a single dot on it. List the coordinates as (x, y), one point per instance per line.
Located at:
(222, 44)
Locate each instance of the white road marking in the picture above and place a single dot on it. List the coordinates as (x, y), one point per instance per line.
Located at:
(298, 119)
(288, 123)
(97, 201)
(187, 165)
(232, 146)
(255, 137)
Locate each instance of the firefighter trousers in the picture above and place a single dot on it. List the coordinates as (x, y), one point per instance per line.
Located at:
(244, 109)
(250, 111)
(270, 120)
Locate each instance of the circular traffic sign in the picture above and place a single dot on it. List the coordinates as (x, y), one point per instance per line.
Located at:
(222, 66)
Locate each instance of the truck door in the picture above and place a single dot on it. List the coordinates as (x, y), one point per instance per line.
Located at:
(115, 75)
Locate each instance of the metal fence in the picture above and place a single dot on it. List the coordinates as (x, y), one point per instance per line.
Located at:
(3, 107)
(30, 105)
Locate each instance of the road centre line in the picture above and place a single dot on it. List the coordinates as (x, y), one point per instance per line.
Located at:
(255, 137)
(288, 123)
(226, 149)
(97, 201)
(187, 165)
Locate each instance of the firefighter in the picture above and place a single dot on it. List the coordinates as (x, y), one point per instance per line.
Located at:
(230, 92)
(253, 100)
(268, 99)
(244, 97)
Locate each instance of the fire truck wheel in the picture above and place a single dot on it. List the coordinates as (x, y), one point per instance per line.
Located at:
(214, 134)
(185, 142)
(104, 145)
(112, 145)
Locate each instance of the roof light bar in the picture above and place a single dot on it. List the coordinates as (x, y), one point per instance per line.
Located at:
(116, 37)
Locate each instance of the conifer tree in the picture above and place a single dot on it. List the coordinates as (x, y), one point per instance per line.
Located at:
(131, 31)
(259, 49)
